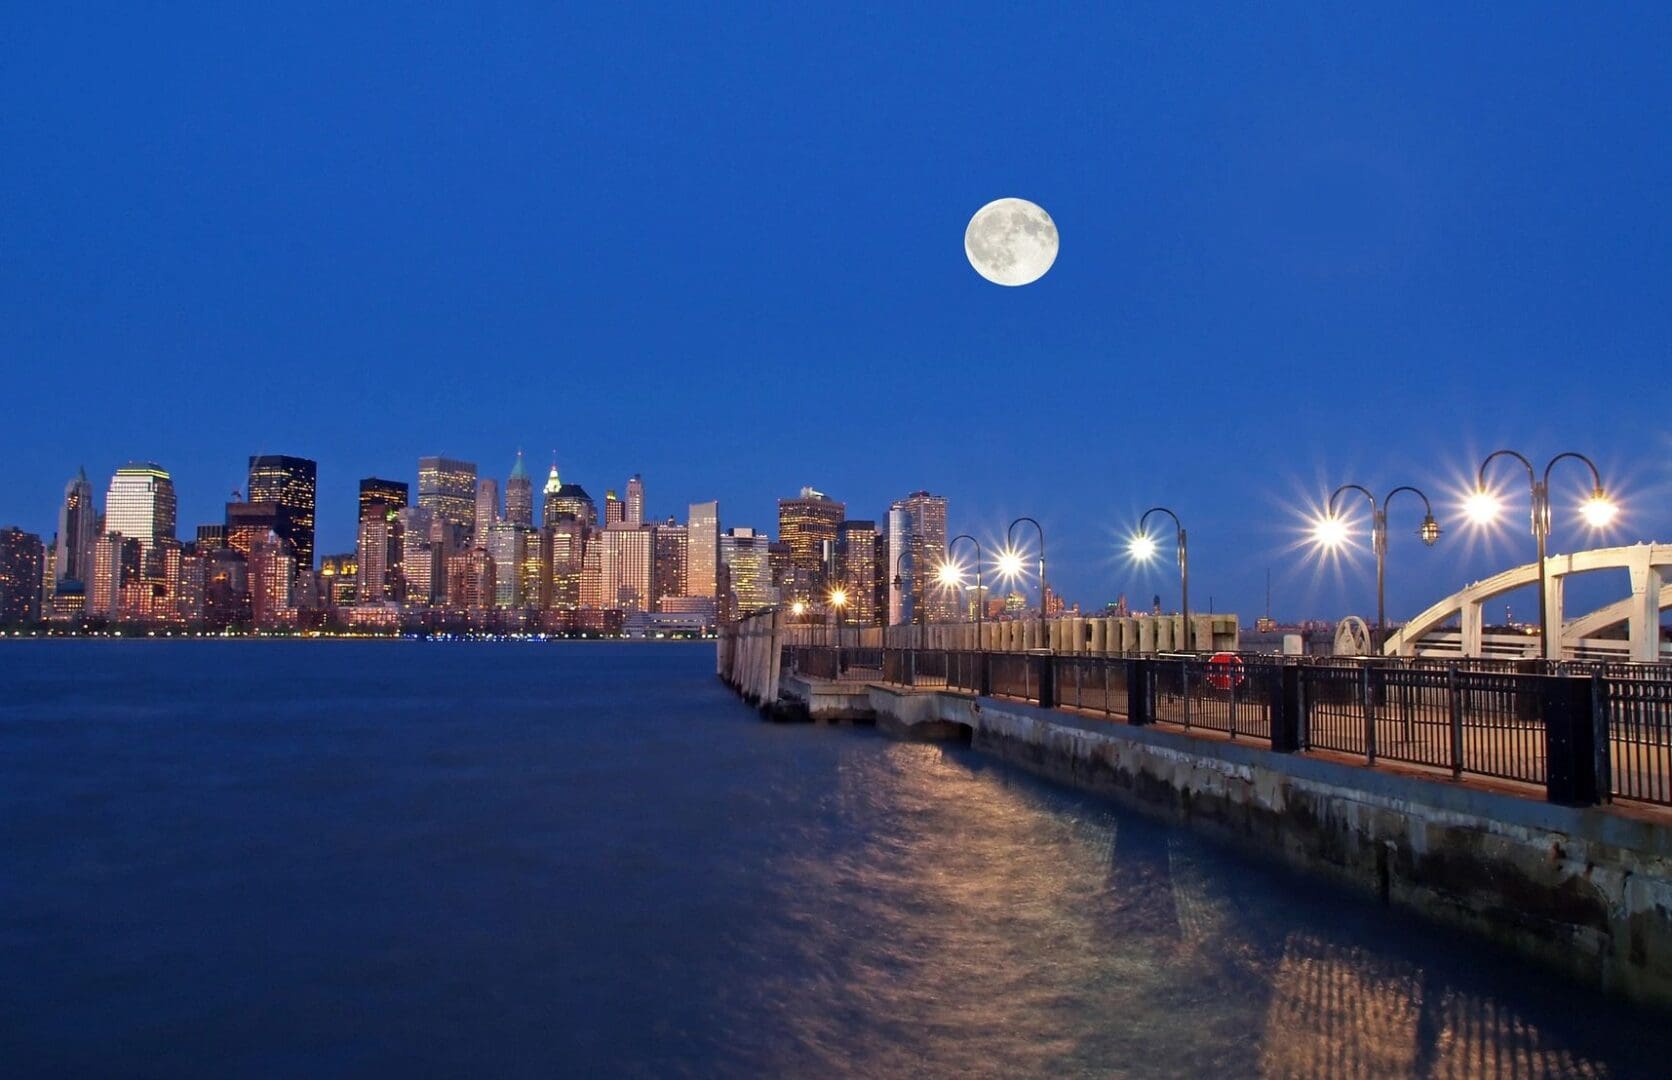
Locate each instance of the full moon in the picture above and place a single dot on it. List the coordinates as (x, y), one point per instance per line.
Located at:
(1011, 242)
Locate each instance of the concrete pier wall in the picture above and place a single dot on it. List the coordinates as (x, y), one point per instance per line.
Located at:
(1584, 891)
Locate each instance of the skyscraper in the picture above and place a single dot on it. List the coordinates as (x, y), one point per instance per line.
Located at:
(374, 491)
(22, 562)
(272, 576)
(808, 525)
(519, 495)
(249, 522)
(289, 482)
(140, 504)
(702, 559)
(916, 549)
(548, 504)
(627, 562)
(378, 555)
(507, 543)
(615, 514)
(672, 547)
(447, 488)
(485, 514)
(423, 573)
(634, 515)
(856, 551)
(78, 527)
(743, 553)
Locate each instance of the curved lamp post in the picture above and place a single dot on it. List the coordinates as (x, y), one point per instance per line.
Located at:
(839, 602)
(1332, 530)
(1143, 548)
(1014, 560)
(1598, 511)
(900, 582)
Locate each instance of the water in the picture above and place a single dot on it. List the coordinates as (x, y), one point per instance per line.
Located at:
(326, 858)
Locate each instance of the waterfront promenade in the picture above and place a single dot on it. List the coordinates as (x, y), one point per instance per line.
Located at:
(1523, 807)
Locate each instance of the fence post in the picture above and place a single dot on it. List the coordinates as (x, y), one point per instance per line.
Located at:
(1368, 692)
(1138, 673)
(1046, 670)
(1454, 710)
(984, 673)
(1285, 710)
(1570, 770)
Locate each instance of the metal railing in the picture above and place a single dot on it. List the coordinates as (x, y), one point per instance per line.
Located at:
(1489, 718)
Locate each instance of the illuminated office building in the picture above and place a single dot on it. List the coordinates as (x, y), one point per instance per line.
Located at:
(507, 544)
(615, 514)
(808, 524)
(226, 590)
(567, 540)
(340, 575)
(376, 492)
(626, 566)
(672, 550)
(22, 566)
(633, 514)
(856, 560)
(377, 558)
(744, 554)
(210, 537)
(485, 514)
(447, 489)
(519, 495)
(702, 558)
(140, 504)
(289, 482)
(272, 575)
(570, 499)
(917, 531)
(248, 522)
(78, 527)
(423, 574)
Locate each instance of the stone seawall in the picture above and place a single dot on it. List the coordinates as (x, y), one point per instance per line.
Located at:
(1586, 891)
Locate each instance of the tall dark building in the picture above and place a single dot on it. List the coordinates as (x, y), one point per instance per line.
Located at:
(78, 527)
(519, 495)
(22, 563)
(391, 494)
(289, 482)
(248, 522)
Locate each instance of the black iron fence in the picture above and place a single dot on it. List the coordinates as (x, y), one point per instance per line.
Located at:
(1586, 732)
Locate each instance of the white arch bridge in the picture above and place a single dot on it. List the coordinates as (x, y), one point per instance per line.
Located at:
(1649, 565)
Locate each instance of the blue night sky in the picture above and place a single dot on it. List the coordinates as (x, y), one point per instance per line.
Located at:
(724, 249)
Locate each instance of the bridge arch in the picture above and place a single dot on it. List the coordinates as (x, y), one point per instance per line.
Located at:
(1649, 565)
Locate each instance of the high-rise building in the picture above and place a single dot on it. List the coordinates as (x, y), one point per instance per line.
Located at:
(423, 573)
(567, 539)
(507, 543)
(571, 499)
(272, 575)
(22, 563)
(485, 515)
(248, 522)
(140, 504)
(615, 513)
(447, 488)
(226, 589)
(672, 551)
(78, 526)
(745, 556)
(627, 566)
(856, 559)
(289, 482)
(210, 537)
(519, 495)
(378, 558)
(548, 504)
(634, 512)
(916, 549)
(340, 575)
(702, 559)
(375, 492)
(117, 562)
(808, 525)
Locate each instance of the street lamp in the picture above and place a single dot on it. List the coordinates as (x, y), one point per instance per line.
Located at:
(1598, 511)
(980, 596)
(1331, 532)
(1012, 559)
(1143, 548)
(900, 581)
(838, 600)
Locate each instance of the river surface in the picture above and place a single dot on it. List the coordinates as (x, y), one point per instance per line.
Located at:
(351, 858)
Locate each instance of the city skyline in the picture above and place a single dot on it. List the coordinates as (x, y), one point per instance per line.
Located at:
(1387, 261)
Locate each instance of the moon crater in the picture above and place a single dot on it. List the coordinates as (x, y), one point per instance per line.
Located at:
(1011, 242)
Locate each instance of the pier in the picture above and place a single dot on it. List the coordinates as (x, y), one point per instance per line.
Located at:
(1527, 802)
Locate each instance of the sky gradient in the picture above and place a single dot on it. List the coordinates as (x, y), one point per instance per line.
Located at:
(725, 251)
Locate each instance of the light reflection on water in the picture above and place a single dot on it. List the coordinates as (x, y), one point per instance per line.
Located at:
(524, 860)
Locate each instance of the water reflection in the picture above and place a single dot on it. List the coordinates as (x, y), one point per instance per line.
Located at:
(952, 917)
